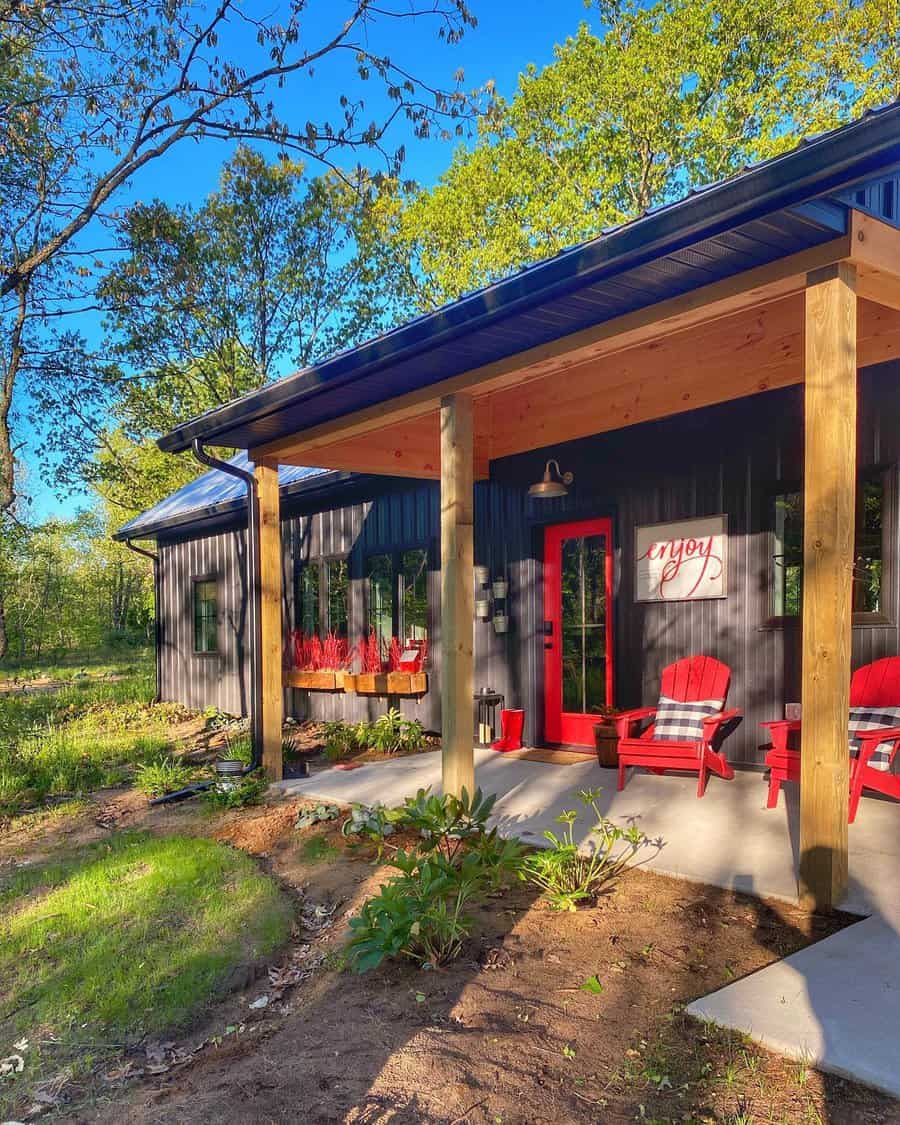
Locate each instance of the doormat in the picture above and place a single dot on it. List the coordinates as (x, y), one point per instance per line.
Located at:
(551, 757)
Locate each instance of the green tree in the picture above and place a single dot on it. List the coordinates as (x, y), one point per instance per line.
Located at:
(672, 95)
(92, 93)
(274, 271)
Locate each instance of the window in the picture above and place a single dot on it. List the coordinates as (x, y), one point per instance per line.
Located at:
(380, 617)
(337, 575)
(322, 597)
(308, 599)
(414, 595)
(397, 598)
(786, 520)
(205, 615)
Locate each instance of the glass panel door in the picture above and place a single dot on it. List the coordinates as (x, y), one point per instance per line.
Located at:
(577, 629)
(583, 624)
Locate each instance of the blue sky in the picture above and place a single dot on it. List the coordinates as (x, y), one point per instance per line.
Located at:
(510, 35)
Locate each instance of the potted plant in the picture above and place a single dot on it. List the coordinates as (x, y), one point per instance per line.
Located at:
(606, 739)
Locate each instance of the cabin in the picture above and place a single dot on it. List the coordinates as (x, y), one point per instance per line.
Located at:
(680, 437)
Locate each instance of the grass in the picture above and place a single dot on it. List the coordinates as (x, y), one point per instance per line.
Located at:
(124, 939)
(84, 736)
(319, 849)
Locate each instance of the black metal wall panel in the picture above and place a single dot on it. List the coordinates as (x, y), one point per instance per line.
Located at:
(722, 459)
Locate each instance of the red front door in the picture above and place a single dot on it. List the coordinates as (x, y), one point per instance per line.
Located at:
(578, 658)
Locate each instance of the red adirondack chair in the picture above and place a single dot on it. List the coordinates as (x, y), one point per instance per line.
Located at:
(692, 680)
(872, 686)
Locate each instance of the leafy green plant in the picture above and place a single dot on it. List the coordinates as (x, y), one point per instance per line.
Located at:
(163, 776)
(446, 821)
(238, 747)
(420, 914)
(306, 818)
(340, 739)
(570, 876)
(228, 794)
(392, 733)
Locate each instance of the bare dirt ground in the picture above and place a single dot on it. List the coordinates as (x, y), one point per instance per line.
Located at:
(505, 1035)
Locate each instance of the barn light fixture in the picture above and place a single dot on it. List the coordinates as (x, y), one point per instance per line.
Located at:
(553, 484)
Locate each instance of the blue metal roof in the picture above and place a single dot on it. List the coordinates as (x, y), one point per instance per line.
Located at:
(212, 493)
(765, 212)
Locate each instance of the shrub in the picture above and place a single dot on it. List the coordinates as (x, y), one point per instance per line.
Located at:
(163, 776)
(420, 913)
(568, 876)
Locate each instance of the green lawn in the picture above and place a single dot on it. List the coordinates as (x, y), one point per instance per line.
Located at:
(83, 736)
(123, 939)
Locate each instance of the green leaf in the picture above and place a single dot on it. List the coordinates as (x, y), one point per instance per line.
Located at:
(592, 985)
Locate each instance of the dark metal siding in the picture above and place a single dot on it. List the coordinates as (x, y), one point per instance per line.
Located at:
(722, 459)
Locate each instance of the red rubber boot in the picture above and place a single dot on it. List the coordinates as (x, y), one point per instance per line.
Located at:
(512, 723)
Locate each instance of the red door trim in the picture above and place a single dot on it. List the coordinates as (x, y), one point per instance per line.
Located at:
(559, 726)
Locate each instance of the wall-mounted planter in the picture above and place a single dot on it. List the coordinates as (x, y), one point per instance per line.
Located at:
(482, 575)
(501, 623)
(482, 608)
(501, 588)
(387, 683)
(315, 681)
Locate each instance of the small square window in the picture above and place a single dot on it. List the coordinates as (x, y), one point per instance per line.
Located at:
(206, 633)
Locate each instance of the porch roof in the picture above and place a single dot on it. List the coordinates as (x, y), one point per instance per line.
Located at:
(775, 210)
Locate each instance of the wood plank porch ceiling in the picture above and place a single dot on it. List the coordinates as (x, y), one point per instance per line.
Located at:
(730, 339)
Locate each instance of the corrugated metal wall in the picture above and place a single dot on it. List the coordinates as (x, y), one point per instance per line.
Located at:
(723, 459)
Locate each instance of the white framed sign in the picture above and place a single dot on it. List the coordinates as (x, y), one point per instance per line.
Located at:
(683, 561)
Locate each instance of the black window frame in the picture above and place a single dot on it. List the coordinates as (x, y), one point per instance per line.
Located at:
(886, 615)
(201, 580)
(396, 553)
(320, 562)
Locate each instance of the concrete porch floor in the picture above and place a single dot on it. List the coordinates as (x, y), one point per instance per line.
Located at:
(836, 1004)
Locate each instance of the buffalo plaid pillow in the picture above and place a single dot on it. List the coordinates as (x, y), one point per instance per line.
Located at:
(864, 719)
(683, 722)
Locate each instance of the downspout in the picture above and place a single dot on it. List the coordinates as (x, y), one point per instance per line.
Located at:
(254, 584)
(157, 630)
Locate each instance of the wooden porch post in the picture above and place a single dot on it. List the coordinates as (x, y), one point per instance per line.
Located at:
(270, 591)
(457, 593)
(829, 495)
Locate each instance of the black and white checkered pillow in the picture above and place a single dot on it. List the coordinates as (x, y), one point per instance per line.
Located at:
(871, 718)
(683, 722)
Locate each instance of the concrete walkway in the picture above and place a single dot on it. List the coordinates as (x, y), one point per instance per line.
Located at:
(835, 1004)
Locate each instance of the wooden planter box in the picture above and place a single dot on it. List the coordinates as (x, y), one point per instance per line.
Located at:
(607, 743)
(315, 681)
(387, 683)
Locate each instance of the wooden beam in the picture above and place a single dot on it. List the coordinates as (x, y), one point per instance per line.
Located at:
(457, 594)
(754, 287)
(829, 502)
(878, 286)
(874, 243)
(271, 637)
(404, 449)
(737, 356)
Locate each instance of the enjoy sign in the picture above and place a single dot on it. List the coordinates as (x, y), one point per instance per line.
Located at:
(681, 561)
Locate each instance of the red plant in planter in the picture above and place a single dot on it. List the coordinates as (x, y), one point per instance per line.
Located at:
(369, 653)
(307, 651)
(335, 653)
(394, 651)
